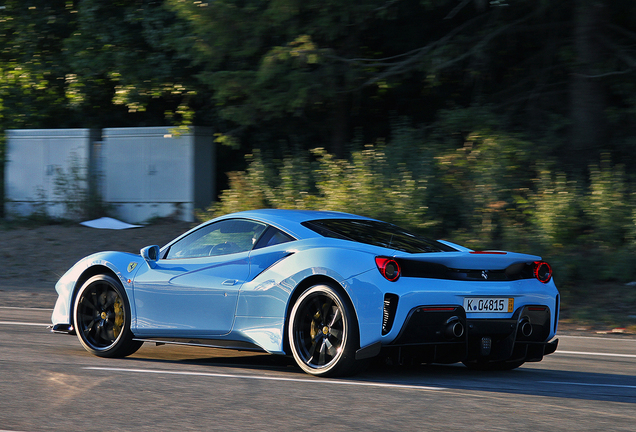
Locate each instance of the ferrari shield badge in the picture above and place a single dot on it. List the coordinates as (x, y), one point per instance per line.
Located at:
(131, 266)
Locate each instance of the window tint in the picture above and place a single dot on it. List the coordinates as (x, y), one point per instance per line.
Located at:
(376, 233)
(273, 236)
(220, 238)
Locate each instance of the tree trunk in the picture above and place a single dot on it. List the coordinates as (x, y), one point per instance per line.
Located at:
(587, 98)
(339, 125)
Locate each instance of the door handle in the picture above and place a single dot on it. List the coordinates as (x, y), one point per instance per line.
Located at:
(229, 282)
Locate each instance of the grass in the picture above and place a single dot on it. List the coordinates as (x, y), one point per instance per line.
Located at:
(600, 306)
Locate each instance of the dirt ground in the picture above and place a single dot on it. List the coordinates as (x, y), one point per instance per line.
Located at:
(32, 259)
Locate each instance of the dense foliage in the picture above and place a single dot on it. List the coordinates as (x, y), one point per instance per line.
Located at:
(490, 193)
(505, 123)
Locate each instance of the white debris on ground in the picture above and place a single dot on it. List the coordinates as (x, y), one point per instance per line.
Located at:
(108, 223)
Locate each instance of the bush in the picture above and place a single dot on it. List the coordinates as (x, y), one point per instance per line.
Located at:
(366, 184)
(489, 192)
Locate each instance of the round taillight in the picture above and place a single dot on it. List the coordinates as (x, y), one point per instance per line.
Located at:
(389, 268)
(542, 271)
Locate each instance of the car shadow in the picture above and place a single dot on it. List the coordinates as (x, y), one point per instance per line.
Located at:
(532, 381)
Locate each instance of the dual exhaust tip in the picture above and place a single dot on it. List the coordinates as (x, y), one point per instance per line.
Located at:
(455, 329)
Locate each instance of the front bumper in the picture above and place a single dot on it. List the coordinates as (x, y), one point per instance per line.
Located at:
(62, 328)
(443, 334)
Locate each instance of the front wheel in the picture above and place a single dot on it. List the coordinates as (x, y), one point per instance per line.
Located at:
(102, 318)
(323, 334)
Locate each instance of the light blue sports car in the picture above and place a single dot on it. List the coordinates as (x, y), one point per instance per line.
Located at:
(331, 289)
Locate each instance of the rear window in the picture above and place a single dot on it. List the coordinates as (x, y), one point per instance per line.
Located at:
(376, 233)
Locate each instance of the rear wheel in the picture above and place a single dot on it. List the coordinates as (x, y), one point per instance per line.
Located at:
(102, 318)
(323, 334)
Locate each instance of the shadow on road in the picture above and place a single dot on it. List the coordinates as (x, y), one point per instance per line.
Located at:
(532, 381)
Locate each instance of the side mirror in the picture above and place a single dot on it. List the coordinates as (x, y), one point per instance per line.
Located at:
(151, 255)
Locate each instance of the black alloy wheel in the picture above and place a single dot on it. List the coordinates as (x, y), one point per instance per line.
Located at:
(323, 334)
(102, 318)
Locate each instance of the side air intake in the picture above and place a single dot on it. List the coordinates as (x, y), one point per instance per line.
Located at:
(388, 312)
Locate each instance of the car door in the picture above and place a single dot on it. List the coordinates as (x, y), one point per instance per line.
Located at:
(192, 290)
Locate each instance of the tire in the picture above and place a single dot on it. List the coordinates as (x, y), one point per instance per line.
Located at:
(323, 335)
(493, 366)
(102, 318)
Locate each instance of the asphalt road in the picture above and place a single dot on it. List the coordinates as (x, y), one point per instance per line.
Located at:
(48, 382)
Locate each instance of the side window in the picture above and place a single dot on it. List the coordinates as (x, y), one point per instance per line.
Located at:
(273, 236)
(220, 238)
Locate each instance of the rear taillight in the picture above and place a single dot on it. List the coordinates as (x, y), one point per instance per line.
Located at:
(542, 271)
(389, 268)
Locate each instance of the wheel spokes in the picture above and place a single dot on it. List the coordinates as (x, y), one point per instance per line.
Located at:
(337, 317)
(312, 350)
(86, 302)
(89, 327)
(103, 333)
(322, 358)
(99, 312)
(332, 350)
(320, 337)
(336, 334)
(109, 301)
(326, 309)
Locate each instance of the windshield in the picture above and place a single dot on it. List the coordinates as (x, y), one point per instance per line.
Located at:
(376, 233)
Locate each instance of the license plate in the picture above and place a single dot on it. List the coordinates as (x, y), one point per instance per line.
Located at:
(489, 304)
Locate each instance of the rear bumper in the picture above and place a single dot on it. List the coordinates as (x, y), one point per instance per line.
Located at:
(443, 334)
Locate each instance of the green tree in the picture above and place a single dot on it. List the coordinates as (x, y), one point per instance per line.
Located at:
(32, 66)
(126, 69)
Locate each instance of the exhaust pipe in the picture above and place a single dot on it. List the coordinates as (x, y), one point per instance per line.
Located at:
(525, 327)
(454, 328)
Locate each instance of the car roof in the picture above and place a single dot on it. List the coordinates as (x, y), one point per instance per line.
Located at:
(296, 216)
(290, 220)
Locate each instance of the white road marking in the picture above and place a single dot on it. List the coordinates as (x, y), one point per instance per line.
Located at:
(625, 339)
(590, 384)
(595, 354)
(25, 308)
(24, 324)
(268, 378)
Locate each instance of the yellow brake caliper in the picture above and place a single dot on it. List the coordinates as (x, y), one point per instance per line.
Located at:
(119, 317)
(314, 327)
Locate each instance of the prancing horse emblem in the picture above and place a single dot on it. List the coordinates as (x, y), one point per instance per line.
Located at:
(484, 274)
